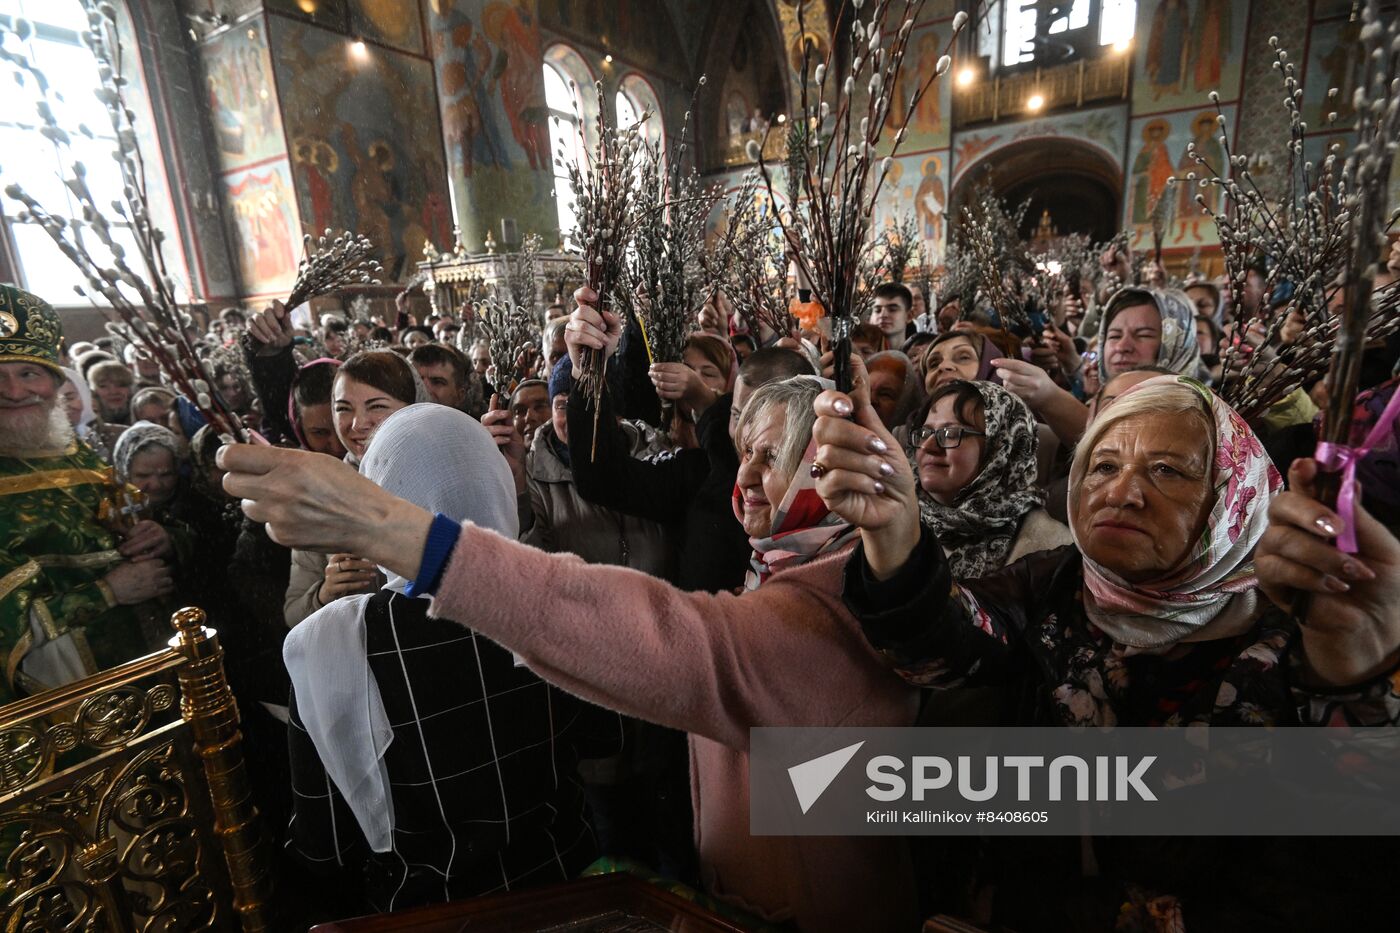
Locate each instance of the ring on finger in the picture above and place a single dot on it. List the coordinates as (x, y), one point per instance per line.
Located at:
(818, 469)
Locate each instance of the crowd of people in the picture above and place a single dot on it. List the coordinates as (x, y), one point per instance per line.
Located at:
(490, 629)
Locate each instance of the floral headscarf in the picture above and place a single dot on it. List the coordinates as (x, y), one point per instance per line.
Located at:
(978, 529)
(1178, 351)
(803, 527)
(1214, 593)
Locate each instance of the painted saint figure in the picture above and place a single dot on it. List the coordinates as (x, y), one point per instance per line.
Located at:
(1167, 47)
(1208, 146)
(1151, 169)
(1210, 43)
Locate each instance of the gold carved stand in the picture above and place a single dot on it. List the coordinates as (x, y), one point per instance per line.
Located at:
(117, 814)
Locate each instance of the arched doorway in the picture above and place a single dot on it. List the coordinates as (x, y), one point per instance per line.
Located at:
(1080, 186)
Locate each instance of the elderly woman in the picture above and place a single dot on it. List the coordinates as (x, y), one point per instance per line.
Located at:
(147, 456)
(714, 665)
(974, 451)
(1140, 326)
(1153, 617)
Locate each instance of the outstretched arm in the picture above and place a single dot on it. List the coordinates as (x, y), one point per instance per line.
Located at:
(714, 665)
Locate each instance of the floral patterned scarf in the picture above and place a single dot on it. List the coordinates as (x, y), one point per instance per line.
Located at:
(1214, 593)
(803, 527)
(1178, 351)
(978, 529)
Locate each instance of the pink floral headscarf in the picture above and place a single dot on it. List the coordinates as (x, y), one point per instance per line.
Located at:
(1214, 593)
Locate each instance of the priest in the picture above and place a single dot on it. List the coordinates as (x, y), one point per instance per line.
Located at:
(75, 557)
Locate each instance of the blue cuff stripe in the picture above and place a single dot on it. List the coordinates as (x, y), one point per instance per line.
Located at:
(442, 540)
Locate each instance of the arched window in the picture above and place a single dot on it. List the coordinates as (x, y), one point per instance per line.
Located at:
(564, 74)
(635, 98)
(55, 47)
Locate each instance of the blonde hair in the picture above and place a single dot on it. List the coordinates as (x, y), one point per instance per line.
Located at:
(1162, 395)
(799, 394)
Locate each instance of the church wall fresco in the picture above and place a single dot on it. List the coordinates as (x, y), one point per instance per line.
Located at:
(1157, 150)
(263, 228)
(1103, 129)
(918, 185)
(487, 57)
(930, 124)
(1184, 49)
(242, 96)
(364, 140)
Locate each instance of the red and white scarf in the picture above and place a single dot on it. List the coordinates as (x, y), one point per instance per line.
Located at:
(803, 527)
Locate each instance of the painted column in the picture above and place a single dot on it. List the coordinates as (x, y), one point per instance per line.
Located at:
(488, 59)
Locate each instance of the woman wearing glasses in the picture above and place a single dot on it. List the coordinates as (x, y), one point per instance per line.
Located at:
(974, 454)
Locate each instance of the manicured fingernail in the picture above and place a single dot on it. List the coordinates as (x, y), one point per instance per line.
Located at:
(879, 488)
(1336, 586)
(886, 469)
(842, 406)
(1355, 570)
(878, 445)
(1327, 526)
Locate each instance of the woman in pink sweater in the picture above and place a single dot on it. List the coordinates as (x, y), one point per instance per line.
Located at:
(786, 653)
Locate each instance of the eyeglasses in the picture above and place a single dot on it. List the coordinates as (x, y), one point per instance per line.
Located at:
(945, 437)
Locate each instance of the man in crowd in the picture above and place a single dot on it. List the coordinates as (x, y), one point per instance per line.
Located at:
(891, 313)
(481, 358)
(443, 372)
(74, 558)
(529, 407)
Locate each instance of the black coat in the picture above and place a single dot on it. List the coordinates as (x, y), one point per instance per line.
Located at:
(690, 490)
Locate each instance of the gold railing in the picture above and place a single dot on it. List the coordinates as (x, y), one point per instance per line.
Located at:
(115, 814)
(1070, 85)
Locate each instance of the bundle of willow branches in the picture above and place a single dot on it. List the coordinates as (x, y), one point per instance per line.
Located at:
(522, 273)
(139, 291)
(1319, 238)
(898, 247)
(840, 175)
(603, 190)
(756, 263)
(513, 335)
(992, 238)
(665, 275)
(330, 262)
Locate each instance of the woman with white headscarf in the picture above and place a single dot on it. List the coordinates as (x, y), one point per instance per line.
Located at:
(368, 388)
(426, 764)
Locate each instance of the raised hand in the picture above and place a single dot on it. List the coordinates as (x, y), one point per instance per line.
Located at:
(866, 479)
(501, 424)
(590, 329)
(1027, 380)
(271, 329)
(347, 575)
(316, 503)
(860, 376)
(146, 541)
(1352, 631)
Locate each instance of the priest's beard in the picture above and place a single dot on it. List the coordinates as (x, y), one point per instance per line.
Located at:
(28, 429)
